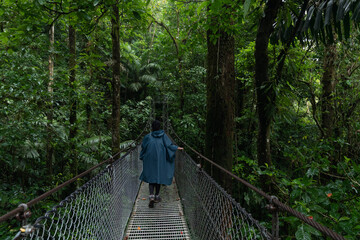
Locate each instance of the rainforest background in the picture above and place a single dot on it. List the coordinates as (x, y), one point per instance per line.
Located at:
(268, 89)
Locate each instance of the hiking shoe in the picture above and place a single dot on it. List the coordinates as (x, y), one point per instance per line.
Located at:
(152, 201)
(157, 199)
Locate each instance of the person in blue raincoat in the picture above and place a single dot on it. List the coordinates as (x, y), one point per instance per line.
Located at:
(158, 155)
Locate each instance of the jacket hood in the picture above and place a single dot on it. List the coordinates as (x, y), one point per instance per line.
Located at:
(158, 133)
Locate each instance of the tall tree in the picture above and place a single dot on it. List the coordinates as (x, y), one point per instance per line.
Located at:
(115, 36)
(220, 88)
(328, 90)
(73, 100)
(49, 114)
(265, 87)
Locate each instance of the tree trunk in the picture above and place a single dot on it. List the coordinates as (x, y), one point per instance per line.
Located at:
(88, 108)
(180, 76)
(220, 84)
(264, 86)
(49, 113)
(73, 100)
(115, 36)
(181, 82)
(241, 129)
(328, 88)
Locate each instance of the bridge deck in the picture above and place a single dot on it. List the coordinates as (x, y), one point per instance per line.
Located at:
(164, 221)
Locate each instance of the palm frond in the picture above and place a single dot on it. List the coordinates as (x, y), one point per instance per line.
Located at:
(31, 153)
(151, 68)
(148, 78)
(95, 140)
(29, 150)
(87, 158)
(136, 86)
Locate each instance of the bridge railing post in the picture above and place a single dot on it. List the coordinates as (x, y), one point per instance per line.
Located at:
(274, 210)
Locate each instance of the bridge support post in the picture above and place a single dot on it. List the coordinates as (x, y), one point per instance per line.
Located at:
(275, 219)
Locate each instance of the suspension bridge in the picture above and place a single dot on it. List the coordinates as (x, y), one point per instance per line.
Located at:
(114, 205)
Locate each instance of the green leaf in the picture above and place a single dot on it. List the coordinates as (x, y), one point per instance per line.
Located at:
(356, 13)
(246, 7)
(41, 2)
(3, 39)
(136, 86)
(340, 11)
(312, 230)
(148, 78)
(308, 18)
(347, 6)
(312, 172)
(319, 17)
(344, 219)
(216, 5)
(202, 5)
(302, 234)
(310, 13)
(328, 12)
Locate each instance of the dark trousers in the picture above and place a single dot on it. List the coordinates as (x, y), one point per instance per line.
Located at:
(151, 188)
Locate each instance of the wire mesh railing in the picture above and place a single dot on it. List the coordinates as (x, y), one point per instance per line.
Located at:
(274, 206)
(210, 211)
(100, 209)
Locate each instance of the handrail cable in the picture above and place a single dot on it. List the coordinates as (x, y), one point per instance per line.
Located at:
(328, 232)
(22, 207)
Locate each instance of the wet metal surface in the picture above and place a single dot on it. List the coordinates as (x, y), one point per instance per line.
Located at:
(164, 221)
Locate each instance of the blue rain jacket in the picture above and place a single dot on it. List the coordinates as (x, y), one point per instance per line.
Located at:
(158, 155)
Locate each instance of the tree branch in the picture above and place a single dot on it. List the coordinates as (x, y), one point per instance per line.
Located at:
(313, 104)
(353, 69)
(55, 19)
(59, 12)
(97, 20)
(168, 31)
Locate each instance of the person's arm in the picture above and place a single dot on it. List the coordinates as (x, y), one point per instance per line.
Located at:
(169, 144)
(170, 148)
(143, 147)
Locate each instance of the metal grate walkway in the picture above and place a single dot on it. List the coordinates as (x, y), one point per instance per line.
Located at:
(164, 221)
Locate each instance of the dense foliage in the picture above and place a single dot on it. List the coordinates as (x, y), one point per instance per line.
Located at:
(313, 82)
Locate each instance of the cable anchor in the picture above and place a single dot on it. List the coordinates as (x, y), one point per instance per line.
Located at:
(24, 214)
(275, 218)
